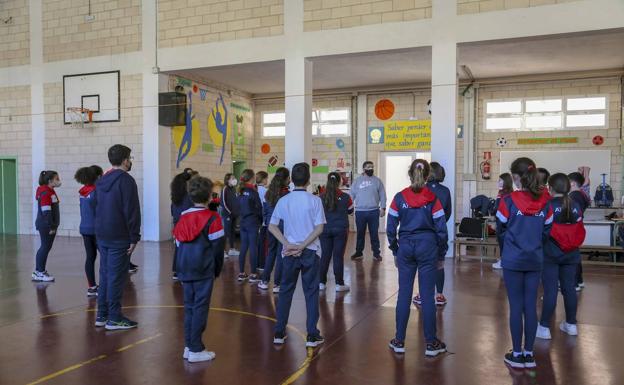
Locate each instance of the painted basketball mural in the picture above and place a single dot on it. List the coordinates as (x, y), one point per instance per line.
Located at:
(219, 125)
(384, 109)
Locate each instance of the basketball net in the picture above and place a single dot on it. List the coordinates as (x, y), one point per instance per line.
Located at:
(80, 117)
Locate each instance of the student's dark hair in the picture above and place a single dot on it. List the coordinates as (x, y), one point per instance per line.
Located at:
(179, 187)
(301, 174)
(279, 181)
(226, 179)
(86, 176)
(437, 172)
(247, 176)
(98, 170)
(118, 153)
(199, 189)
(560, 184)
(543, 175)
(331, 191)
(529, 178)
(418, 173)
(576, 177)
(261, 175)
(46, 176)
(507, 182)
(366, 163)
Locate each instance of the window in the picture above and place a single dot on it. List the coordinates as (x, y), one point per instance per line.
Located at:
(325, 122)
(546, 114)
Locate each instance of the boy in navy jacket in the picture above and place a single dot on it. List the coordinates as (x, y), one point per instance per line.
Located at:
(118, 230)
(526, 217)
(422, 240)
(199, 236)
(250, 221)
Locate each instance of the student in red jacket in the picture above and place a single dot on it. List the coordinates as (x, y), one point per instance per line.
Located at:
(48, 219)
(422, 239)
(526, 217)
(199, 236)
(561, 256)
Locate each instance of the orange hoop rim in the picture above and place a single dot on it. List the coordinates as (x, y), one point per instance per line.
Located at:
(82, 111)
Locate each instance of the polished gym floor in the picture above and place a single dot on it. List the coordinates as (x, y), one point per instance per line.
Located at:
(47, 334)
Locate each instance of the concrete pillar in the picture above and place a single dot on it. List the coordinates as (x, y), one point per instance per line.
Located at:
(298, 103)
(361, 134)
(36, 100)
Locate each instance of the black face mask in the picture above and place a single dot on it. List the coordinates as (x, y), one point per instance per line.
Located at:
(369, 172)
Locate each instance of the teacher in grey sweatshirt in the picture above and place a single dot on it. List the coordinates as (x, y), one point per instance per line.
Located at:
(369, 195)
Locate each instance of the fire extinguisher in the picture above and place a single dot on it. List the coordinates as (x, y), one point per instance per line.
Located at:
(485, 165)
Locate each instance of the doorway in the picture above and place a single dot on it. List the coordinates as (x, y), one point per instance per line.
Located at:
(8, 196)
(393, 172)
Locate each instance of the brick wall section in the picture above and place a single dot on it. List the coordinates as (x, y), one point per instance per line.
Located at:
(14, 36)
(336, 14)
(15, 141)
(487, 141)
(187, 22)
(478, 6)
(66, 35)
(68, 148)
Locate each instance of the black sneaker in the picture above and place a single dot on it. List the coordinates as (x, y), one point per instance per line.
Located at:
(397, 346)
(377, 258)
(529, 361)
(92, 291)
(122, 324)
(514, 361)
(100, 321)
(357, 256)
(132, 268)
(434, 348)
(314, 341)
(279, 338)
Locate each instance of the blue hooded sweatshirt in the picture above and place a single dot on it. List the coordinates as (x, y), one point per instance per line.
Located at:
(117, 209)
(444, 195)
(178, 209)
(87, 210)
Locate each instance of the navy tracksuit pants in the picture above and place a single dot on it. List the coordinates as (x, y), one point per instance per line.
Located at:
(368, 219)
(114, 260)
(552, 274)
(47, 240)
(522, 295)
(333, 244)
(196, 305)
(308, 265)
(417, 255)
(273, 258)
(249, 242)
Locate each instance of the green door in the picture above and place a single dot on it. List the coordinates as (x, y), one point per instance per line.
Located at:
(8, 195)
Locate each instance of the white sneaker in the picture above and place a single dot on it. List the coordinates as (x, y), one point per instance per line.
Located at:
(38, 276)
(263, 285)
(581, 285)
(322, 286)
(201, 356)
(226, 255)
(543, 332)
(570, 329)
(340, 288)
(497, 265)
(276, 289)
(233, 253)
(186, 353)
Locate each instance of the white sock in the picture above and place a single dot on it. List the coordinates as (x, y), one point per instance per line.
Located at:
(528, 353)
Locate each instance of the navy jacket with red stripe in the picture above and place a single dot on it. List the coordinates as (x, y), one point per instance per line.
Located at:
(48, 216)
(418, 216)
(339, 217)
(525, 225)
(199, 237)
(250, 207)
(563, 234)
(87, 210)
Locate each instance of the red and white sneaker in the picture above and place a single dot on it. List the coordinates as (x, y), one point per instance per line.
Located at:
(440, 300)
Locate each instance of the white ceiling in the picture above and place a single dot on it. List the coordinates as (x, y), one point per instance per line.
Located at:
(555, 54)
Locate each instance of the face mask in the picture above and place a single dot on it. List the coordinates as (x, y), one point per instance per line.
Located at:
(58, 184)
(500, 184)
(233, 182)
(369, 172)
(129, 166)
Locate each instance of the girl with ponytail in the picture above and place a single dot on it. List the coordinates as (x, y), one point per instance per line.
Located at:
(338, 206)
(277, 189)
(525, 218)
(47, 222)
(420, 240)
(561, 257)
(250, 221)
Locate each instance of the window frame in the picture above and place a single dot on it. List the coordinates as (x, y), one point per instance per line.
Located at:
(315, 123)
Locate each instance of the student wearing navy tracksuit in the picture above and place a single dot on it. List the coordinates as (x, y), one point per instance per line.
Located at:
(180, 202)
(87, 176)
(229, 212)
(578, 195)
(199, 235)
(526, 217)
(262, 178)
(250, 221)
(444, 195)
(118, 230)
(338, 206)
(277, 189)
(561, 257)
(505, 187)
(422, 239)
(47, 222)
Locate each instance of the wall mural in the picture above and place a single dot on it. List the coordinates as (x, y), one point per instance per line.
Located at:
(187, 138)
(219, 125)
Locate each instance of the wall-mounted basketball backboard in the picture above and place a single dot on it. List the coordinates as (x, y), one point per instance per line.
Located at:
(97, 92)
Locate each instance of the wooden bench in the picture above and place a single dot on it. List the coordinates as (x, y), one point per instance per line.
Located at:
(461, 244)
(611, 250)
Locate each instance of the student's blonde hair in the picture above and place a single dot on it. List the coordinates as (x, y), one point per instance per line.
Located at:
(419, 173)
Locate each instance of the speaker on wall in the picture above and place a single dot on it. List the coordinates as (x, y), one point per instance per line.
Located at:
(171, 109)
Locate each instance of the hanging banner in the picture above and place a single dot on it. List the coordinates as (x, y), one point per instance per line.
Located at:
(561, 140)
(406, 135)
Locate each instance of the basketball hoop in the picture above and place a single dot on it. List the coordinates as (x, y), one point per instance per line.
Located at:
(80, 117)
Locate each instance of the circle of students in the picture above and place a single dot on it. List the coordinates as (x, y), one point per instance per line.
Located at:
(539, 230)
